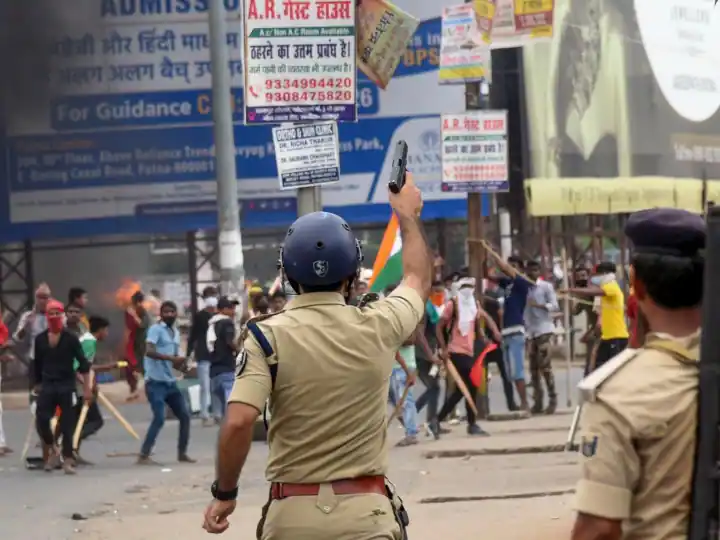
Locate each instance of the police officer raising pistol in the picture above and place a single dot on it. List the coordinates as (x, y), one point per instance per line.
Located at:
(325, 367)
(639, 415)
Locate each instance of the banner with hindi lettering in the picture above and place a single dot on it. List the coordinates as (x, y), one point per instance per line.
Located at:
(464, 55)
(300, 61)
(384, 32)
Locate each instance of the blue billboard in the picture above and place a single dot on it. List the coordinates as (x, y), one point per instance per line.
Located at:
(127, 147)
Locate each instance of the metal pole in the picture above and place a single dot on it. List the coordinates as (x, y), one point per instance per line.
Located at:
(309, 199)
(232, 272)
(567, 321)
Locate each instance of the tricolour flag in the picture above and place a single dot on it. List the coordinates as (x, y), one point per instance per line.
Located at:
(388, 269)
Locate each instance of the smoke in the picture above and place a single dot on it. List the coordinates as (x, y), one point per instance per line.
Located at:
(27, 28)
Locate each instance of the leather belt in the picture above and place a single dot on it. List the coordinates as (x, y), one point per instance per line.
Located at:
(355, 486)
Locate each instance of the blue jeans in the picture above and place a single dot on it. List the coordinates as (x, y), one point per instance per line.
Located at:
(206, 396)
(222, 385)
(409, 412)
(158, 395)
(514, 355)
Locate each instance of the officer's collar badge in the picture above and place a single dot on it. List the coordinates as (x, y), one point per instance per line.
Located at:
(588, 446)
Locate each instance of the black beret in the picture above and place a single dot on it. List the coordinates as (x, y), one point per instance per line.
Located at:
(666, 231)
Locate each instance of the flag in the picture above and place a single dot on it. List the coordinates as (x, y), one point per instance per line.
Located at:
(388, 269)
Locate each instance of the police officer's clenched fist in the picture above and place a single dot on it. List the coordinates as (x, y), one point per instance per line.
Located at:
(408, 202)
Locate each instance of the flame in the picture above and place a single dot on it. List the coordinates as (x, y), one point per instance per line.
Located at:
(124, 293)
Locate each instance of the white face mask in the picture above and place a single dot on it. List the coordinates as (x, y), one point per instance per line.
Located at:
(596, 280)
(465, 293)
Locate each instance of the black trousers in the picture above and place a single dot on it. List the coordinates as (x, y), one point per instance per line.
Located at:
(49, 399)
(464, 365)
(94, 421)
(496, 357)
(608, 349)
(431, 395)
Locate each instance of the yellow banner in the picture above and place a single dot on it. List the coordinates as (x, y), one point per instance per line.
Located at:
(577, 196)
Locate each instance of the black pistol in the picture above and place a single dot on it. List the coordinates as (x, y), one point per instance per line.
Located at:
(399, 167)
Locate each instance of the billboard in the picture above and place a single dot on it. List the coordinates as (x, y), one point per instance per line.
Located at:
(624, 107)
(125, 144)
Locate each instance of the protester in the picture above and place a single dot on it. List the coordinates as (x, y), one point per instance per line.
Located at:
(278, 301)
(460, 321)
(4, 337)
(221, 342)
(613, 328)
(32, 323)
(516, 288)
(56, 351)
(591, 337)
(153, 302)
(261, 305)
(78, 296)
(162, 353)
(137, 321)
(197, 344)
(428, 362)
(98, 331)
(492, 303)
(402, 379)
(541, 304)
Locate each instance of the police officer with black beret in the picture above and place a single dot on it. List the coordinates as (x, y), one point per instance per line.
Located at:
(639, 413)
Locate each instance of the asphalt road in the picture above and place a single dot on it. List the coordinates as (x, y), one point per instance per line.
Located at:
(38, 506)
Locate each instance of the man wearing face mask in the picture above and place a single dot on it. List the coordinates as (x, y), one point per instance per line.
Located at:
(325, 366)
(613, 328)
(56, 351)
(639, 419)
(161, 356)
(198, 345)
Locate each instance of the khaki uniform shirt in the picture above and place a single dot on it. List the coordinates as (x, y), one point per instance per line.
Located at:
(329, 403)
(639, 442)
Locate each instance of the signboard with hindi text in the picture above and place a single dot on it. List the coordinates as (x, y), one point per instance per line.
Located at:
(307, 155)
(515, 23)
(384, 31)
(299, 61)
(464, 55)
(475, 152)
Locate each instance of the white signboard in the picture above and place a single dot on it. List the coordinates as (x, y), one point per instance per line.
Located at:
(307, 155)
(300, 61)
(475, 152)
(464, 56)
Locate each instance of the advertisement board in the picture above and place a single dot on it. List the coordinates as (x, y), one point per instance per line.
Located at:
(125, 145)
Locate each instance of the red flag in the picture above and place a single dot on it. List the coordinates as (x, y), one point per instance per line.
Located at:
(477, 374)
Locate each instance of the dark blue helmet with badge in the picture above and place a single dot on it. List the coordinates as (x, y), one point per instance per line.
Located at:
(320, 250)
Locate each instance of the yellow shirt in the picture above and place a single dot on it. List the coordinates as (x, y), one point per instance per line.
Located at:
(612, 312)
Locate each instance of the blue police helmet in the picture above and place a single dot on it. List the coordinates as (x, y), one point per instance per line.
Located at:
(320, 249)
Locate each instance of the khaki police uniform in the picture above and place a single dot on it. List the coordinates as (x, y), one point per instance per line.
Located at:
(639, 423)
(332, 364)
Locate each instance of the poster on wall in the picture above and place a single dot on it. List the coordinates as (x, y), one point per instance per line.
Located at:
(384, 32)
(300, 61)
(515, 23)
(464, 55)
(475, 152)
(654, 66)
(307, 155)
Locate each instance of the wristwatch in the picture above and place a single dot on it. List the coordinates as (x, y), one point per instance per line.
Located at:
(223, 495)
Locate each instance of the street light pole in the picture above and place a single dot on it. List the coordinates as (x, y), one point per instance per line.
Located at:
(232, 272)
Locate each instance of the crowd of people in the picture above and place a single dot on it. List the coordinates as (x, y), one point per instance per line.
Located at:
(511, 320)
(510, 324)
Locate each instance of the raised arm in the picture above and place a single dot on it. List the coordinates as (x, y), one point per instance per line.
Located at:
(416, 256)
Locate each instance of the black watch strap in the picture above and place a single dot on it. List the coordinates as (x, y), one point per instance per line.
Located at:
(223, 495)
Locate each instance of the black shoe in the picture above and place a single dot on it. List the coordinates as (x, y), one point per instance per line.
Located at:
(476, 430)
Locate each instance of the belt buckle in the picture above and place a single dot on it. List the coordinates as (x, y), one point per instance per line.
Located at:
(280, 491)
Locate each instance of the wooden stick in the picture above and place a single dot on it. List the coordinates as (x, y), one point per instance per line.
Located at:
(452, 370)
(398, 408)
(567, 321)
(119, 417)
(80, 424)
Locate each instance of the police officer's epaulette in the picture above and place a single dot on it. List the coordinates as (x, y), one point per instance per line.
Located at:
(589, 386)
(258, 318)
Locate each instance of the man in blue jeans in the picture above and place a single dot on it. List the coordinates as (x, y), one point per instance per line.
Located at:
(163, 352)
(198, 345)
(516, 289)
(223, 351)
